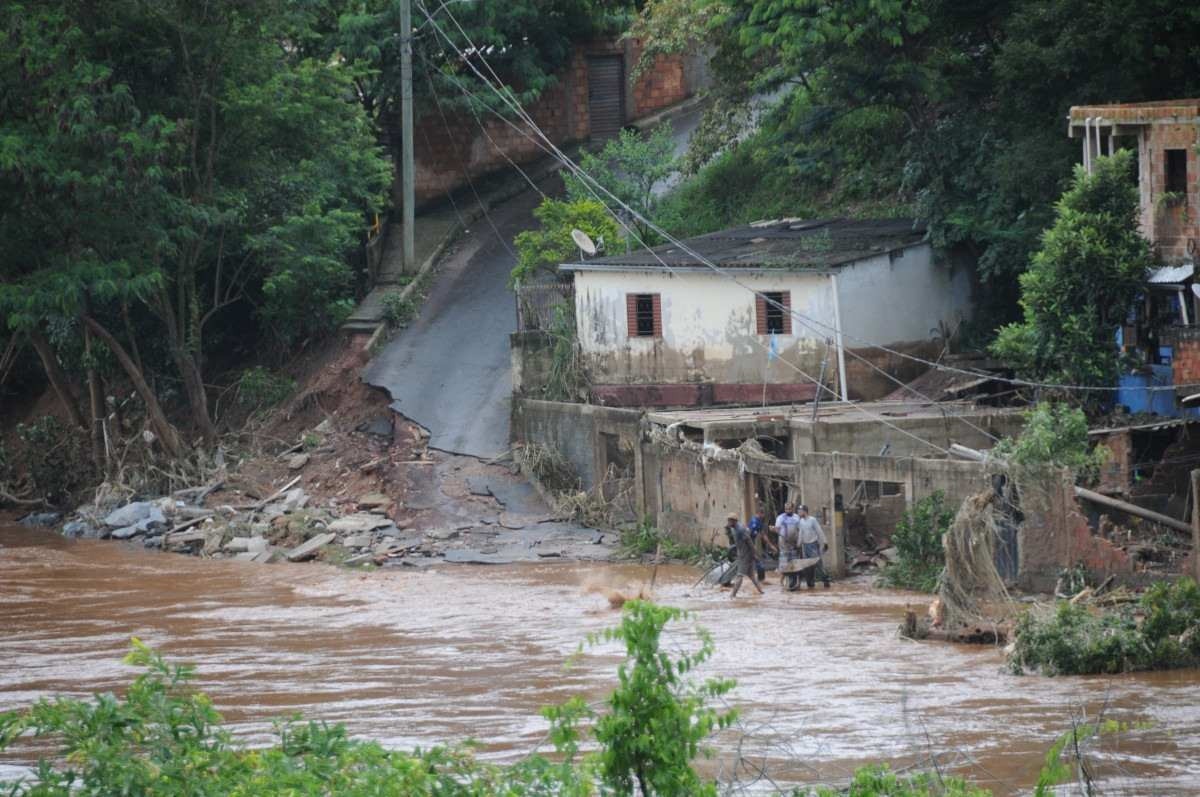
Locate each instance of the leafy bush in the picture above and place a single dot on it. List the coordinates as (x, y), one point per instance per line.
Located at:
(1055, 436)
(646, 538)
(544, 249)
(1076, 641)
(56, 456)
(920, 556)
(259, 388)
(879, 781)
(398, 309)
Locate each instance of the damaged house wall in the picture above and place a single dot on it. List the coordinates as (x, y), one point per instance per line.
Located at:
(708, 328)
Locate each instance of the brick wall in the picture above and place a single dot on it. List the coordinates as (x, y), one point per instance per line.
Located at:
(447, 151)
(1169, 226)
(1185, 356)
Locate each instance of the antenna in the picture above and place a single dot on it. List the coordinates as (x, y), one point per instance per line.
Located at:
(585, 244)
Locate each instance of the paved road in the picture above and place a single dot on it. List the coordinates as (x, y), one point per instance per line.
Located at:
(449, 371)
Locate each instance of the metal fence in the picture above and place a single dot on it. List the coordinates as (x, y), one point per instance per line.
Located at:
(537, 303)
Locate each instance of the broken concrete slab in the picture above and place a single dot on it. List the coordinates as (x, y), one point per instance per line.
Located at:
(310, 548)
(294, 499)
(477, 485)
(358, 523)
(126, 533)
(324, 427)
(357, 541)
(237, 545)
(467, 556)
(298, 461)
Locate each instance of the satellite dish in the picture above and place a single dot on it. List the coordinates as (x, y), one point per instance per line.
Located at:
(584, 243)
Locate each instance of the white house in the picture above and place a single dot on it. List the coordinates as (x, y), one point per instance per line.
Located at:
(662, 328)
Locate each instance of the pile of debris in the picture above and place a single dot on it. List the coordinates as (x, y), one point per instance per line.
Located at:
(282, 527)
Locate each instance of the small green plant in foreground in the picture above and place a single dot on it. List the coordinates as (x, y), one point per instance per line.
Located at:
(1161, 631)
(879, 781)
(398, 309)
(920, 557)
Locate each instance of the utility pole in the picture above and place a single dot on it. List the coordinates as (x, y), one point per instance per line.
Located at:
(406, 133)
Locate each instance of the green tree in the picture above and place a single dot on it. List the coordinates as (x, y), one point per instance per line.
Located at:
(540, 251)
(951, 111)
(1082, 282)
(1055, 435)
(182, 160)
(630, 166)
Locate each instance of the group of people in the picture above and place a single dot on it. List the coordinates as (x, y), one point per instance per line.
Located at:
(797, 535)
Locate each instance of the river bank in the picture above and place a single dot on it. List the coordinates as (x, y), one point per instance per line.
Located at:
(418, 656)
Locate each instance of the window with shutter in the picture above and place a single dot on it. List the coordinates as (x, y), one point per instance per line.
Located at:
(643, 313)
(773, 313)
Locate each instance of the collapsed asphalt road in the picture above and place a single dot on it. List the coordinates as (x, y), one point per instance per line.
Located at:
(449, 370)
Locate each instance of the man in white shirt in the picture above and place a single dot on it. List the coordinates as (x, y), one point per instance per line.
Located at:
(812, 543)
(787, 526)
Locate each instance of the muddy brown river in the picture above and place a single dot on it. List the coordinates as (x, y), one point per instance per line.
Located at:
(417, 657)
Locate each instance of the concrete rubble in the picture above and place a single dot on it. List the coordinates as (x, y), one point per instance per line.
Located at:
(489, 521)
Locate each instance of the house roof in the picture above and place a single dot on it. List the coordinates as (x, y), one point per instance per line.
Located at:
(1171, 275)
(1136, 113)
(778, 244)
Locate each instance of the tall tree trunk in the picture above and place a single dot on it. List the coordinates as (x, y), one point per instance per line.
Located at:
(162, 427)
(56, 375)
(96, 407)
(193, 386)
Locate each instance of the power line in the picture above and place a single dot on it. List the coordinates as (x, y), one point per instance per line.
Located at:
(588, 182)
(513, 105)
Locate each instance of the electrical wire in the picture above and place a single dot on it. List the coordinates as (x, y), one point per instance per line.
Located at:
(516, 108)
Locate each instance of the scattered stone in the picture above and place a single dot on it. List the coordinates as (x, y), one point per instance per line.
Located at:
(386, 547)
(890, 554)
(358, 523)
(238, 545)
(294, 499)
(357, 541)
(374, 501)
(324, 427)
(298, 461)
(310, 548)
(246, 556)
(212, 541)
(264, 555)
(257, 544)
(79, 528)
(442, 534)
(126, 533)
(380, 427)
(361, 559)
(185, 537)
(40, 519)
(133, 514)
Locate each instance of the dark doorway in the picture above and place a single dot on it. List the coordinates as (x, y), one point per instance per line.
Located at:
(606, 96)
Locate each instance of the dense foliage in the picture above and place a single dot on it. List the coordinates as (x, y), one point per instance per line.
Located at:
(947, 109)
(1055, 435)
(1161, 631)
(920, 555)
(540, 251)
(174, 179)
(1082, 281)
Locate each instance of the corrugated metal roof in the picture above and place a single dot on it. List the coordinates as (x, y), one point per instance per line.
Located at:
(1171, 275)
(785, 244)
(1137, 113)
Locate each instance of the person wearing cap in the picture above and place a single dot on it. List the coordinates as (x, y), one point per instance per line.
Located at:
(744, 543)
(812, 544)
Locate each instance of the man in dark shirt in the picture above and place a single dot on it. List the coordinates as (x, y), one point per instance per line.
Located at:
(762, 542)
(746, 554)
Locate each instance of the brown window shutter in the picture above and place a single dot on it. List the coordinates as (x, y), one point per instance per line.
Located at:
(631, 314)
(658, 315)
(787, 312)
(760, 313)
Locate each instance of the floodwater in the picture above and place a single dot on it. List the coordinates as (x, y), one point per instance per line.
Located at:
(423, 656)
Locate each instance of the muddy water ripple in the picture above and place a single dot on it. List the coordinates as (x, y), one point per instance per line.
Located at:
(417, 657)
